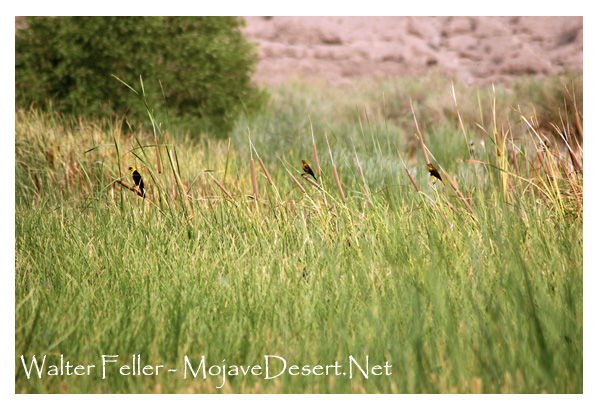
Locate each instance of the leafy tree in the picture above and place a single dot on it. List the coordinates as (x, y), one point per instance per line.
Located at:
(203, 63)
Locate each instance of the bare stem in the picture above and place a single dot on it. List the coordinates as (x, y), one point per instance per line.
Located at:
(338, 183)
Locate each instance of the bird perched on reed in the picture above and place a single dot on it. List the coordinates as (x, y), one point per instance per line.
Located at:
(307, 169)
(433, 171)
(139, 182)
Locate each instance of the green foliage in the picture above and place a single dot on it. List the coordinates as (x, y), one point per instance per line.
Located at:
(203, 63)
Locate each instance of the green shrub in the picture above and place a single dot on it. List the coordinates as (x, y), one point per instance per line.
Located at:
(204, 64)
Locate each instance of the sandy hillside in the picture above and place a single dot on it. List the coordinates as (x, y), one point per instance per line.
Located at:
(471, 49)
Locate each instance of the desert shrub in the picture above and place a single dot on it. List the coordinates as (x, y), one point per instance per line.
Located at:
(203, 63)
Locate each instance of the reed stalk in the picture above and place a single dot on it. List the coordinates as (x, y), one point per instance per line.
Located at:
(298, 183)
(309, 180)
(412, 180)
(338, 184)
(314, 150)
(134, 189)
(419, 136)
(223, 189)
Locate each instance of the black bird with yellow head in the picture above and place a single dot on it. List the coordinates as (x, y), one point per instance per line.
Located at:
(307, 169)
(139, 182)
(433, 171)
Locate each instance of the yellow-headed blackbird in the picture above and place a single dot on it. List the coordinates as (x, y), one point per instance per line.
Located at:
(434, 171)
(139, 182)
(307, 169)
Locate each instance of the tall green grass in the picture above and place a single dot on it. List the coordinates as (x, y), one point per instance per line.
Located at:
(477, 289)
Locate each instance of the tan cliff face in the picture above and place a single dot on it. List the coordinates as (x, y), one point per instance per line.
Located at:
(476, 50)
